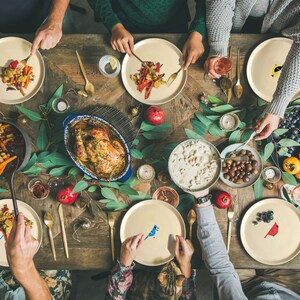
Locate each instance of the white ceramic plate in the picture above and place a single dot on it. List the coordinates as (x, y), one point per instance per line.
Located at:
(29, 213)
(268, 249)
(156, 50)
(12, 48)
(141, 218)
(262, 63)
(253, 178)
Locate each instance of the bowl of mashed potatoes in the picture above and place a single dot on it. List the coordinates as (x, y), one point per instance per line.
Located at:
(194, 165)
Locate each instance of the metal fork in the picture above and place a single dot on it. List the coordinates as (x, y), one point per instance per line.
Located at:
(21, 65)
(111, 223)
(230, 214)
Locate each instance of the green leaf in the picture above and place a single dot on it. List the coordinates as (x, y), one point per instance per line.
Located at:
(288, 143)
(114, 185)
(280, 131)
(108, 194)
(42, 155)
(135, 142)
(162, 127)
(246, 134)
(80, 186)
(3, 190)
(42, 139)
(34, 170)
(31, 162)
(206, 121)
(282, 151)
(85, 176)
(186, 202)
(296, 102)
(166, 152)
(62, 162)
(58, 171)
(92, 188)
(242, 125)
(215, 130)
(74, 171)
(32, 115)
(206, 111)
(137, 154)
(56, 94)
(213, 117)
(261, 102)
(258, 188)
(269, 148)
(104, 200)
(140, 196)
(192, 134)
(286, 194)
(57, 137)
(47, 164)
(132, 180)
(289, 178)
(214, 100)
(152, 135)
(223, 108)
(112, 205)
(234, 137)
(127, 190)
(147, 151)
(199, 127)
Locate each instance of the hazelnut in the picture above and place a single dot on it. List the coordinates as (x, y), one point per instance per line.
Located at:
(246, 179)
(225, 170)
(239, 181)
(243, 152)
(252, 157)
(254, 163)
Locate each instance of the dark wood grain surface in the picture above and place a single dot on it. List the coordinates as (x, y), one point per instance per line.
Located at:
(93, 251)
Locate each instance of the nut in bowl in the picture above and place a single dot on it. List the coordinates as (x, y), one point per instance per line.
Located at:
(194, 165)
(240, 174)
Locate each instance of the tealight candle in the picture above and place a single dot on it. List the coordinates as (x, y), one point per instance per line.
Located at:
(271, 174)
(229, 122)
(60, 105)
(145, 173)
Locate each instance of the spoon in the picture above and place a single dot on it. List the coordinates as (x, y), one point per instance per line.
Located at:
(9, 174)
(225, 84)
(238, 88)
(89, 88)
(244, 158)
(49, 223)
(191, 217)
(173, 77)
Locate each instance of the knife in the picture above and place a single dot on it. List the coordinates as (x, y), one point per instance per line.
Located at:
(63, 231)
(229, 75)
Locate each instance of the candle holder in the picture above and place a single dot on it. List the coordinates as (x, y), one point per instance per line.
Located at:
(145, 173)
(271, 174)
(109, 66)
(39, 188)
(229, 122)
(167, 194)
(60, 105)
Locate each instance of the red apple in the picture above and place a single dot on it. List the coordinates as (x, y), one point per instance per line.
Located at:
(154, 115)
(222, 199)
(65, 196)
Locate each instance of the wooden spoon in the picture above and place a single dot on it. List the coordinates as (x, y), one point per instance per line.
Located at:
(238, 88)
(191, 217)
(89, 88)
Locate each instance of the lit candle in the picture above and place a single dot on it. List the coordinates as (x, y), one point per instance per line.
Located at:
(145, 173)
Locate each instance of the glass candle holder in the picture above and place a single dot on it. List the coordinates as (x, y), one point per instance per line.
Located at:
(60, 105)
(109, 66)
(39, 188)
(223, 65)
(229, 122)
(271, 174)
(145, 173)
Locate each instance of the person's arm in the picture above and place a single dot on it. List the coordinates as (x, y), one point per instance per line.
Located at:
(216, 258)
(121, 275)
(287, 86)
(50, 32)
(20, 249)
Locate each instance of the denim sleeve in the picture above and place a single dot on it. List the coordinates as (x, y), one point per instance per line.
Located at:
(216, 258)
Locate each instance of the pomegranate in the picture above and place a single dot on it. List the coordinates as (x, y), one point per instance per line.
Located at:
(154, 115)
(65, 196)
(222, 199)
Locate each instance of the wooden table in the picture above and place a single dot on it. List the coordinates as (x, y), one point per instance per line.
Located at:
(93, 251)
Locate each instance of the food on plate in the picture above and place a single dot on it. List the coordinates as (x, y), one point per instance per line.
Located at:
(222, 199)
(240, 171)
(10, 140)
(291, 165)
(264, 216)
(154, 115)
(7, 220)
(144, 79)
(194, 165)
(16, 78)
(65, 196)
(97, 147)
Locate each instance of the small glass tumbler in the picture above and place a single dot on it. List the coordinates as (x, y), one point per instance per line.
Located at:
(109, 66)
(39, 188)
(60, 105)
(223, 65)
(271, 174)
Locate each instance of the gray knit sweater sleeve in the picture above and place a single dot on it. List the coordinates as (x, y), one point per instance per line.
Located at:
(219, 14)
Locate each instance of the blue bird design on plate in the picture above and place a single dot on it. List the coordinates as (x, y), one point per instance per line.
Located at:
(153, 231)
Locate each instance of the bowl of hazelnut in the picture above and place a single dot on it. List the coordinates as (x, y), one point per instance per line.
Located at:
(240, 173)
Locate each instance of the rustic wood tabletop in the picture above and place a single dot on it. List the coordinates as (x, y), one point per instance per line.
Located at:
(94, 250)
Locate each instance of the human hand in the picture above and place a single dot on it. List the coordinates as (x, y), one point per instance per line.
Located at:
(192, 49)
(20, 249)
(209, 67)
(183, 252)
(130, 249)
(121, 39)
(47, 36)
(266, 126)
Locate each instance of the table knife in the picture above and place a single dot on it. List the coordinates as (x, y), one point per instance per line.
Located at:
(229, 75)
(63, 231)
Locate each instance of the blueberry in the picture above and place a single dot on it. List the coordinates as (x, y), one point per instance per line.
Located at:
(258, 214)
(254, 223)
(258, 219)
(267, 220)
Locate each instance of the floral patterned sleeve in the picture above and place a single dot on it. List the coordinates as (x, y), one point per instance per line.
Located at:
(188, 288)
(119, 281)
